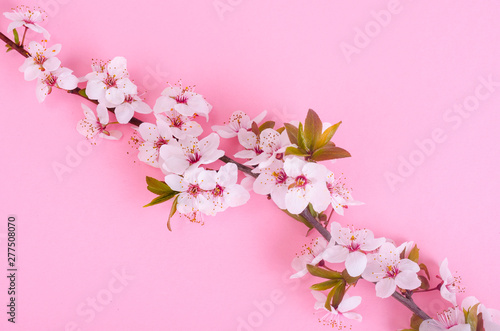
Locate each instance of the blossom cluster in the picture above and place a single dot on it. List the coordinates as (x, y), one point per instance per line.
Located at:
(280, 162)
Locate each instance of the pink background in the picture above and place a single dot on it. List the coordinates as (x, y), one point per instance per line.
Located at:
(77, 231)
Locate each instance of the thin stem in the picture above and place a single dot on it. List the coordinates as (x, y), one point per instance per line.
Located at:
(24, 36)
(407, 302)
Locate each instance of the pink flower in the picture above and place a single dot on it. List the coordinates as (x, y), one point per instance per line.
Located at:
(41, 60)
(351, 246)
(62, 78)
(344, 309)
(184, 101)
(238, 121)
(452, 319)
(93, 126)
(448, 289)
(154, 137)
(189, 153)
(24, 16)
(389, 271)
(310, 255)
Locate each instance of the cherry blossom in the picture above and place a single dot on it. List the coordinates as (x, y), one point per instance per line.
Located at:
(154, 137)
(207, 191)
(109, 83)
(41, 60)
(184, 101)
(448, 289)
(24, 16)
(491, 317)
(341, 196)
(351, 246)
(452, 319)
(93, 126)
(132, 104)
(389, 271)
(238, 121)
(177, 157)
(191, 195)
(221, 189)
(307, 186)
(181, 126)
(62, 78)
(273, 180)
(263, 150)
(310, 255)
(344, 309)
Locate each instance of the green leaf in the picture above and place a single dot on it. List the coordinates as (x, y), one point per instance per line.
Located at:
(16, 36)
(312, 211)
(338, 295)
(295, 151)
(471, 318)
(162, 198)
(329, 152)
(301, 142)
(280, 130)
(157, 187)
(425, 283)
(83, 93)
(173, 209)
(328, 302)
(325, 285)
(424, 268)
(408, 330)
(415, 322)
(313, 127)
(348, 278)
(266, 125)
(8, 49)
(414, 254)
(323, 273)
(292, 132)
(326, 136)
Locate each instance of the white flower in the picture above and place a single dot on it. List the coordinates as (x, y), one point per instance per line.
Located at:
(191, 194)
(389, 271)
(61, 78)
(452, 319)
(208, 191)
(184, 101)
(132, 104)
(344, 309)
(238, 121)
(181, 126)
(491, 317)
(351, 246)
(109, 83)
(340, 195)
(222, 191)
(448, 289)
(92, 126)
(308, 186)
(154, 137)
(41, 60)
(265, 149)
(310, 255)
(274, 181)
(24, 16)
(189, 153)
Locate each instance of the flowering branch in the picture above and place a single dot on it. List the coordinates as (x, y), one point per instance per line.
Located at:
(283, 164)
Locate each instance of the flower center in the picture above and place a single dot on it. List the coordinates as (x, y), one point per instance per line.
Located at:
(218, 191)
(279, 156)
(194, 157)
(301, 181)
(110, 81)
(193, 190)
(50, 80)
(39, 59)
(280, 176)
(176, 121)
(181, 99)
(392, 271)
